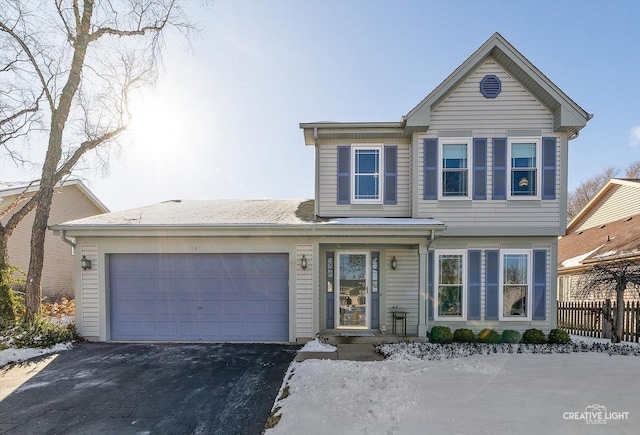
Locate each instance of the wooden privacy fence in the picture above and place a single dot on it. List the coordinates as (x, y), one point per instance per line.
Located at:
(590, 319)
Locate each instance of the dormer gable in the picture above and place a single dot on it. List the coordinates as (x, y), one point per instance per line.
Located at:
(568, 116)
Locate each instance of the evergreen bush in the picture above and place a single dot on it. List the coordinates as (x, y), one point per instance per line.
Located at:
(510, 336)
(440, 334)
(488, 336)
(464, 335)
(533, 336)
(559, 336)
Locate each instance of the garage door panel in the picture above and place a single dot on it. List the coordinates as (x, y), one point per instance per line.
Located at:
(217, 297)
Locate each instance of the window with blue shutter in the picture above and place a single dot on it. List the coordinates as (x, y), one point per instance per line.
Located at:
(549, 168)
(475, 284)
(479, 168)
(539, 285)
(344, 175)
(391, 175)
(500, 168)
(492, 273)
(430, 169)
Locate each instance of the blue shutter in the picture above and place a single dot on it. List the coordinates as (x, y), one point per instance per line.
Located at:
(330, 295)
(539, 285)
(375, 296)
(344, 175)
(474, 277)
(548, 168)
(391, 175)
(492, 273)
(479, 168)
(430, 285)
(500, 168)
(430, 169)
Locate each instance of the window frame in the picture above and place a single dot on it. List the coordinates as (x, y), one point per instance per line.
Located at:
(380, 173)
(537, 168)
(469, 169)
(529, 294)
(465, 287)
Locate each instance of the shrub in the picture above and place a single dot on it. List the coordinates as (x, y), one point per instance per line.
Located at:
(510, 336)
(440, 334)
(488, 336)
(40, 332)
(533, 336)
(9, 300)
(463, 335)
(559, 336)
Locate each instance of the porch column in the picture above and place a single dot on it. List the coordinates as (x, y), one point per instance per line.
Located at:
(422, 291)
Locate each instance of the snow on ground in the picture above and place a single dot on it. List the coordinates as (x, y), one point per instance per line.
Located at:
(11, 354)
(317, 346)
(480, 394)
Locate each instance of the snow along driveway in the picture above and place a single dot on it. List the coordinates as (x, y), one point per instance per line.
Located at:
(487, 394)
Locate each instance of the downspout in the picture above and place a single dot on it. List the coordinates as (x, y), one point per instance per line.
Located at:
(63, 236)
(432, 237)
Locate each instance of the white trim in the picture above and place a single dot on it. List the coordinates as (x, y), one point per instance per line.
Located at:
(455, 141)
(336, 288)
(538, 167)
(529, 254)
(465, 287)
(380, 149)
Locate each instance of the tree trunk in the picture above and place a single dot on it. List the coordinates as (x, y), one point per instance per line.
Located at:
(621, 286)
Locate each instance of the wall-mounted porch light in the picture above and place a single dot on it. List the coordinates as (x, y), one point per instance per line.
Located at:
(394, 263)
(85, 263)
(303, 262)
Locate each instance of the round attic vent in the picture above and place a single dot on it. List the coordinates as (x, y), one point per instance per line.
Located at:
(490, 86)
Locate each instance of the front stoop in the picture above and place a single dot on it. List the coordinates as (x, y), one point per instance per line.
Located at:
(336, 338)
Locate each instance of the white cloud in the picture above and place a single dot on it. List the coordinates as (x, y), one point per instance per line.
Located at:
(634, 136)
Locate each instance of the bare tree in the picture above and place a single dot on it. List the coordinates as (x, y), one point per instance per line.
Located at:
(585, 192)
(74, 65)
(611, 278)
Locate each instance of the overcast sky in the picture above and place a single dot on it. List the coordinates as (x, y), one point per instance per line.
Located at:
(223, 120)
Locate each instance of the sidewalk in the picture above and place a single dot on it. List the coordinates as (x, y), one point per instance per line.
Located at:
(350, 352)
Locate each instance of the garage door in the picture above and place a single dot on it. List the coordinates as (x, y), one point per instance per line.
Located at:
(214, 297)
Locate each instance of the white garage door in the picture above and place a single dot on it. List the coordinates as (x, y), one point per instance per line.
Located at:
(211, 297)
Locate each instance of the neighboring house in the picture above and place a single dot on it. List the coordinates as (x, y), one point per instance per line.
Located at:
(607, 228)
(72, 200)
(450, 216)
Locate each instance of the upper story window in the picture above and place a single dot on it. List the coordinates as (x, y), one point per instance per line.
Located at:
(451, 285)
(524, 163)
(455, 182)
(515, 284)
(366, 172)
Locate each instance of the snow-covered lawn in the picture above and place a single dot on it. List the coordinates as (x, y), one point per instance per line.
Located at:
(11, 354)
(479, 394)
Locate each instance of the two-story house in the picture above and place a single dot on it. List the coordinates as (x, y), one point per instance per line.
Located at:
(450, 216)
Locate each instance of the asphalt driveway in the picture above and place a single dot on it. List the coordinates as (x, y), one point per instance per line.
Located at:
(142, 388)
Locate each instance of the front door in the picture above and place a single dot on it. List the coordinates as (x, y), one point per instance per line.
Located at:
(352, 281)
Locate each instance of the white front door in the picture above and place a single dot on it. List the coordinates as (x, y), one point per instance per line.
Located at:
(353, 284)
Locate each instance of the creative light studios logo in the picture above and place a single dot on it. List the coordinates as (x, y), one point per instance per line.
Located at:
(596, 414)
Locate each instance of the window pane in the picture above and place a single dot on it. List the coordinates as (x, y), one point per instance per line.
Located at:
(523, 155)
(454, 156)
(366, 187)
(515, 300)
(515, 269)
(367, 161)
(450, 301)
(451, 269)
(523, 182)
(454, 183)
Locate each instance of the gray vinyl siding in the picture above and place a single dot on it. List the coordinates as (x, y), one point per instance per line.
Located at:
(327, 189)
(402, 288)
(88, 301)
(619, 202)
(515, 109)
(304, 292)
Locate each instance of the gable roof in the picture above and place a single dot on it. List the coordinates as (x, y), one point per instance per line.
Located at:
(10, 188)
(617, 239)
(568, 116)
(605, 197)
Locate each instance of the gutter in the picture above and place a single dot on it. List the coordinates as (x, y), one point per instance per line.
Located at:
(63, 236)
